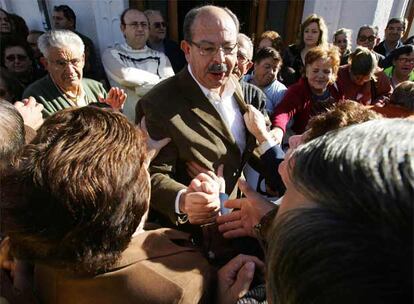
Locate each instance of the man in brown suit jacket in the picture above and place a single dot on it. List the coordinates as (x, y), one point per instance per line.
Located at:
(198, 109)
(75, 204)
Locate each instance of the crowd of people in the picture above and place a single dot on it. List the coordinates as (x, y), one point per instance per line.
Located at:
(214, 171)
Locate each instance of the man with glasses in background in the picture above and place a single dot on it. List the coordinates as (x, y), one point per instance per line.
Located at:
(200, 110)
(393, 34)
(368, 37)
(157, 40)
(132, 65)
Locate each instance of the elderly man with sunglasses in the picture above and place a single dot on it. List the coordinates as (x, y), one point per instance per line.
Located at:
(201, 109)
(368, 37)
(157, 40)
(132, 65)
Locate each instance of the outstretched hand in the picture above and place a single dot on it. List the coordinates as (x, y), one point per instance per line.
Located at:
(235, 277)
(154, 146)
(116, 98)
(31, 111)
(248, 212)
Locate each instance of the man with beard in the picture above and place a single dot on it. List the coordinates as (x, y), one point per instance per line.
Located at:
(201, 113)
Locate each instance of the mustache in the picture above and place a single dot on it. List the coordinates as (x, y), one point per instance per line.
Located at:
(217, 68)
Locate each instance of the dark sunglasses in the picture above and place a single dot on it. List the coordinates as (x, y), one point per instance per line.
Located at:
(13, 57)
(159, 25)
(364, 38)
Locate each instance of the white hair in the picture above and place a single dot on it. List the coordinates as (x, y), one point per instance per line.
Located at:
(59, 39)
(241, 36)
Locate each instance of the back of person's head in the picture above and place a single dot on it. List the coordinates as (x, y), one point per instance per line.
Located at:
(11, 133)
(60, 39)
(326, 52)
(340, 115)
(363, 62)
(268, 52)
(355, 245)
(323, 35)
(67, 12)
(403, 95)
(79, 191)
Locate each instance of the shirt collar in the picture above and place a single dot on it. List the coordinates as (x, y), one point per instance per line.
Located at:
(229, 87)
(130, 49)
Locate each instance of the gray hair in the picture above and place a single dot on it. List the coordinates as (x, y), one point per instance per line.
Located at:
(149, 12)
(193, 13)
(12, 132)
(361, 179)
(59, 39)
(368, 27)
(243, 37)
(371, 163)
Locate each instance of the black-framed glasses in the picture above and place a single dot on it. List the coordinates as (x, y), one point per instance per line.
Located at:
(363, 38)
(208, 49)
(13, 57)
(159, 25)
(136, 25)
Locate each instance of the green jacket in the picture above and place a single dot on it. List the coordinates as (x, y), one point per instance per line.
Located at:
(46, 93)
(390, 70)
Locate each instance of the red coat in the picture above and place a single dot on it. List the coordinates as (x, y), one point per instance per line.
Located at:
(297, 104)
(362, 94)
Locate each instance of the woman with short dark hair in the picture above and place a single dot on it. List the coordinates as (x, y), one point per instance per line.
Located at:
(361, 80)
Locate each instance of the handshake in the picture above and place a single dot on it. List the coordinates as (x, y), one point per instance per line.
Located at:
(205, 202)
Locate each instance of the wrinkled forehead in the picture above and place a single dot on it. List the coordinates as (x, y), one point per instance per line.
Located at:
(67, 52)
(214, 27)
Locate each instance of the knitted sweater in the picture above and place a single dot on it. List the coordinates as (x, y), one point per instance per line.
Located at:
(135, 71)
(45, 92)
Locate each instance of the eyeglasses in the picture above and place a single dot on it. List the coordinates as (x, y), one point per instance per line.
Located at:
(207, 49)
(64, 63)
(242, 58)
(159, 25)
(13, 57)
(136, 25)
(365, 38)
(406, 60)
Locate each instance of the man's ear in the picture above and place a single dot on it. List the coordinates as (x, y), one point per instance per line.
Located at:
(185, 47)
(249, 65)
(44, 62)
(122, 27)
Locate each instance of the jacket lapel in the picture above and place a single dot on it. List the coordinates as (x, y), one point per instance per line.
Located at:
(201, 106)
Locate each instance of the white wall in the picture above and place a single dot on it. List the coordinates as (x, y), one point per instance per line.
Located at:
(97, 19)
(354, 13)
